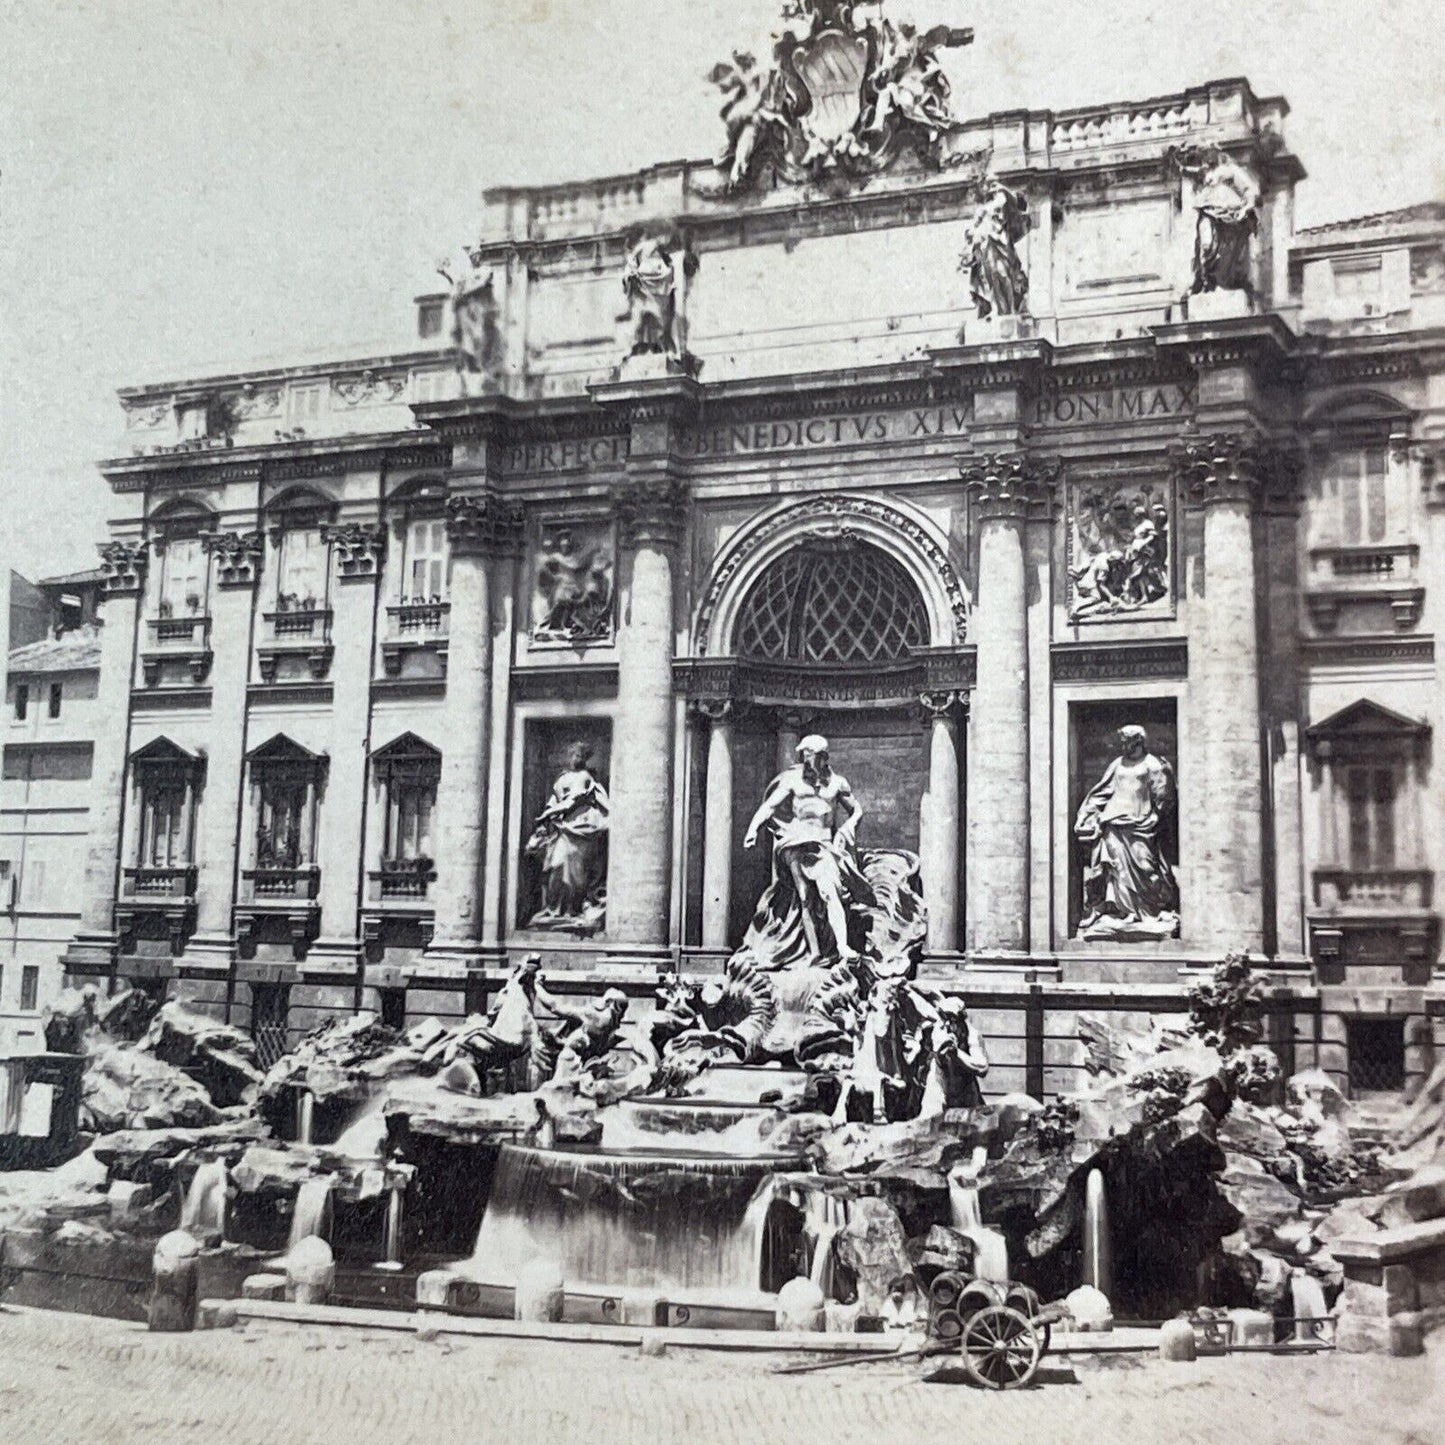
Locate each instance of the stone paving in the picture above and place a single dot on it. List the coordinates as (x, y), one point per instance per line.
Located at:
(70, 1378)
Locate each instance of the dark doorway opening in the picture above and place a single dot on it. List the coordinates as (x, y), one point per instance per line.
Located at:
(1377, 1055)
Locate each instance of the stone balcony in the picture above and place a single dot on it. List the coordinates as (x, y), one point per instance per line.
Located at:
(398, 905)
(1372, 918)
(412, 627)
(297, 638)
(1365, 579)
(1389, 892)
(176, 649)
(279, 899)
(157, 901)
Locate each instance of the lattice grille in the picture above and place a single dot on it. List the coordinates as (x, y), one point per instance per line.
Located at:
(268, 1021)
(839, 605)
(1377, 1055)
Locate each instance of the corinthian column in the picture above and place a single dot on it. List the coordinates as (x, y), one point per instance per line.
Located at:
(649, 512)
(1221, 473)
(93, 949)
(481, 528)
(1002, 488)
(717, 844)
(938, 822)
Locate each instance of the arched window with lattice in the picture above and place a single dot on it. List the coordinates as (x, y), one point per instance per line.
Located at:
(835, 602)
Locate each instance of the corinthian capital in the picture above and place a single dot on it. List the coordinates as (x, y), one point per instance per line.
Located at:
(650, 509)
(1216, 467)
(484, 523)
(359, 547)
(1008, 484)
(124, 566)
(237, 554)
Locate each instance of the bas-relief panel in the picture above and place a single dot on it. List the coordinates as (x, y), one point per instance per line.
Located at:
(1120, 549)
(573, 584)
(1126, 244)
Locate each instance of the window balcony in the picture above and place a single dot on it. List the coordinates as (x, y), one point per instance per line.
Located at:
(296, 632)
(279, 902)
(415, 626)
(398, 907)
(402, 879)
(184, 642)
(160, 883)
(1372, 573)
(283, 882)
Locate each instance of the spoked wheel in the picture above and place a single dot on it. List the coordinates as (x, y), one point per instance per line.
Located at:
(1001, 1348)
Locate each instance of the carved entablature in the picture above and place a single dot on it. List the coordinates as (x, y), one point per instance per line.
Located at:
(484, 523)
(124, 566)
(237, 554)
(369, 388)
(1010, 485)
(256, 403)
(358, 547)
(650, 510)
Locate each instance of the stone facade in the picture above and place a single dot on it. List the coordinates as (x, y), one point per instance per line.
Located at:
(345, 651)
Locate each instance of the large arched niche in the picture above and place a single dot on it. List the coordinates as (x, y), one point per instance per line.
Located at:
(906, 539)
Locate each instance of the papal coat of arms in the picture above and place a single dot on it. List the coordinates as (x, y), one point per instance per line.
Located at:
(845, 93)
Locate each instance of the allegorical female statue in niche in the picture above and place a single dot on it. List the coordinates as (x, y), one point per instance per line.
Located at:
(1129, 887)
(1226, 205)
(569, 841)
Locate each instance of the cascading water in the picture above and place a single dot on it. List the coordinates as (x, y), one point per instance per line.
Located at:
(203, 1211)
(659, 1220)
(1307, 1299)
(305, 1116)
(728, 1130)
(312, 1214)
(990, 1247)
(1098, 1245)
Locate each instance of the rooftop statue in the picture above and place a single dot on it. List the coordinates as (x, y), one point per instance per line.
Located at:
(476, 334)
(845, 92)
(1226, 203)
(996, 276)
(1129, 887)
(652, 280)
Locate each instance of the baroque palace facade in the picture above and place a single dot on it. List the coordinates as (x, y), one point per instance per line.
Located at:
(416, 664)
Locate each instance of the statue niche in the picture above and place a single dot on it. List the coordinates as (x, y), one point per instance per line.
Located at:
(1129, 889)
(568, 846)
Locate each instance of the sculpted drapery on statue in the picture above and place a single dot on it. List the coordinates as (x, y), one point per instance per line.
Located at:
(1129, 886)
(1226, 203)
(476, 332)
(813, 910)
(573, 600)
(651, 280)
(996, 276)
(569, 840)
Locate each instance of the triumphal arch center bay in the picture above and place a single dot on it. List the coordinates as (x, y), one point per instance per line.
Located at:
(995, 523)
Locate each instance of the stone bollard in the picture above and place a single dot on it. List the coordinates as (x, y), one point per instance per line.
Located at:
(1089, 1309)
(643, 1308)
(540, 1293)
(801, 1307)
(264, 1286)
(1251, 1327)
(653, 1345)
(1176, 1341)
(310, 1272)
(176, 1288)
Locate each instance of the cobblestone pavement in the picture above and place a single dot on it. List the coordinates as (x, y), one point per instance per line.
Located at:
(67, 1378)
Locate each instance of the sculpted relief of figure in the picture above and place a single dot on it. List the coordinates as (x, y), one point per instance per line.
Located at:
(1129, 886)
(1120, 550)
(1226, 203)
(573, 601)
(476, 334)
(814, 908)
(651, 281)
(569, 841)
(996, 276)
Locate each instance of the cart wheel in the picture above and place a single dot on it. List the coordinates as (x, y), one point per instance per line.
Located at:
(1001, 1348)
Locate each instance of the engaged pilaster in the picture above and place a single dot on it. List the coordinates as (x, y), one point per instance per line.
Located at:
(1223, 473)
(1003, 488)
(717, 845)
(94, 947)
(938, 820)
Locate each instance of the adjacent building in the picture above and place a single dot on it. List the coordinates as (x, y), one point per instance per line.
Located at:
(688, 464)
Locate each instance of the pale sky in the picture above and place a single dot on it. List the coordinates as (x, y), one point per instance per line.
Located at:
(192, 184)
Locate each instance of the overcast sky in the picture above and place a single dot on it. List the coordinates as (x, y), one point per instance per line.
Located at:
(187, 184)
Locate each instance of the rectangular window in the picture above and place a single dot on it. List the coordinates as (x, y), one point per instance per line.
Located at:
(280, 823)
(29, 987)
(55, 695)
(22, 700)
(302, 570)
(1359, 480)
(408, 833)
(1370, 795)
(1377, 1055)
(426, 560)
(270, 1004)
(33, 882)
(305, 402)
(183, 578)
(53, 762)
(164, 827)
